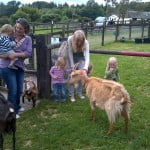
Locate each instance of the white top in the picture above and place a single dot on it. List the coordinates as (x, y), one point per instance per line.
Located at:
(86, 53)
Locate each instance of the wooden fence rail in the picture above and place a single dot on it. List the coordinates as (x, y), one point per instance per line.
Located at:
(42, 44)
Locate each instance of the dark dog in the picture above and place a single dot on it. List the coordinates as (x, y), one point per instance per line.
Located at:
(7, 120)
(30, 92)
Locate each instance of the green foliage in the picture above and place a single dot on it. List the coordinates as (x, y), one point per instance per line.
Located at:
(19, 14)
(9, 9)
(64, 19)
(83, 19)
(50, 17)
(30, 13)
(89, 10)
(4, 20)
(42, 4)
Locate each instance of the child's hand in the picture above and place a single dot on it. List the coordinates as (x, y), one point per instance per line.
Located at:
(111, 69)
(55, 77)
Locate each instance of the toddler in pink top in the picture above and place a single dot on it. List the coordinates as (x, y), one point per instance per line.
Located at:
(57, 73)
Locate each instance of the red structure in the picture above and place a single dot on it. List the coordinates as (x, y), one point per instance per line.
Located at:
(127, 53)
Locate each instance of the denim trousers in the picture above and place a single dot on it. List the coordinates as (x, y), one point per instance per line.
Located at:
(79, 88)
(14, 80)
(59, 91)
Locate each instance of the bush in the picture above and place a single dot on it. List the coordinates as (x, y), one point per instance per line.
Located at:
(4, 20)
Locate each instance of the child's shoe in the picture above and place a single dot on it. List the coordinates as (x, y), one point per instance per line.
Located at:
(82, 97)
(12, 67)
(72, 99)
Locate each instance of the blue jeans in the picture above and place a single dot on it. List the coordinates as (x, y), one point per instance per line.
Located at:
(59, 91)
(14, 80)
(79, 88)
(0, 72)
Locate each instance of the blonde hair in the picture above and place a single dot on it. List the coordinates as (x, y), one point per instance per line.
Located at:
(112, 60)
(61, 61)
(7, 29)
(78, 35)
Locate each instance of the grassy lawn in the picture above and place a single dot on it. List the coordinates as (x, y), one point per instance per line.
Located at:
(68, 126)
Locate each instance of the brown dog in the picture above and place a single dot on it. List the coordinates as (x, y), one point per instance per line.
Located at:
(105, 94)
(30, 92)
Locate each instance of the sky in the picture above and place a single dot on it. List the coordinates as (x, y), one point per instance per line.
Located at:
(70, 2)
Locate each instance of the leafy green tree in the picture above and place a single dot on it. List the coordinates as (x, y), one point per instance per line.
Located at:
(50, 17)
(30, 13)
(123, 8)
(9, 9)
(40, 4)
(12, 7)
(91, 10)
(4, 20)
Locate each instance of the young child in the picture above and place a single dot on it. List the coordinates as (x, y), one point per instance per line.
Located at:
(57, 72)
(6, 45)
(111, 71)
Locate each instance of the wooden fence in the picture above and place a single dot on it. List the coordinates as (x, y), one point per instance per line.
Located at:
(62, 28)
(42, 56)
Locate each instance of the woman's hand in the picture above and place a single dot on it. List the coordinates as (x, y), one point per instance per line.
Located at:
(16, 55)
(84, 71)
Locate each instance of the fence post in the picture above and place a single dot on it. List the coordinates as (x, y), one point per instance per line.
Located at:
(33, 28)
(43, 66)
(142, 34)
(86, 30)
(103, 33)
(67, 29)
(130, 29)
(52, 23)
(117, 31)
(63, 31)
(148, 29)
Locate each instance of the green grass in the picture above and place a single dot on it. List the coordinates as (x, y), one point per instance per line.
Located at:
(68, 126)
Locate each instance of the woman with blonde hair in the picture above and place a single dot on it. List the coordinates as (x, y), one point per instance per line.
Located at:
(78, 53)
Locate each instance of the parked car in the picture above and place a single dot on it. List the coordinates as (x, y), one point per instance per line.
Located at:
(100, 21)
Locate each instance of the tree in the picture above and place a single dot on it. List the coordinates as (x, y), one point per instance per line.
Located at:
(30, 13)
(123, 8)
(40, 4)
(50, 17)
(109, 3)
(91, 10)
(9, 9)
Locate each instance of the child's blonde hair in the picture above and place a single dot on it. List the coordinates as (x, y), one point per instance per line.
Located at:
(112, 60)
(7, 29)
(61, 61)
